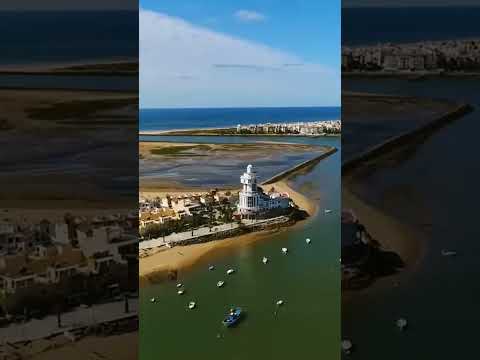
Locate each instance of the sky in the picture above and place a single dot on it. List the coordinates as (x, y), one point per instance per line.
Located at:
(229, 53)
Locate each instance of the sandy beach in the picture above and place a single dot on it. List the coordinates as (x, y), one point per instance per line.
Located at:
(155, 268)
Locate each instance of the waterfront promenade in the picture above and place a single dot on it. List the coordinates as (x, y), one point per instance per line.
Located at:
(217, 231)
(80, 317)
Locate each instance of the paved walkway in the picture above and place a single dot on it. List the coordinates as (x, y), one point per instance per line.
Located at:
(174, 238)
(37, 329)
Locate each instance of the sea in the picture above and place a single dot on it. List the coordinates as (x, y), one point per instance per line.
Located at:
(193, 118)
(369, 26)
(35, 37)
(64, 37)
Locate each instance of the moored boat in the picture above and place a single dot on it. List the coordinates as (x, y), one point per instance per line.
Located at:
(220, 283)
(230, 271)
(233, 317)
(448, 252)
(191, 305)
(264, 260)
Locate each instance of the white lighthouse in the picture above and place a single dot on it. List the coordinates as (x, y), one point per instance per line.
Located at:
(253, 200)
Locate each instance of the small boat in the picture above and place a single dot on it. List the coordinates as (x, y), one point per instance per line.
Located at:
(233, 317)
(265, 260)
(347, 346)
(279, 302)
(448, 252)
(181, 292)
(328, 211)
(179, 285)
(308, 241)
(230, 271)
(191, 305)
(402, 323)
(211, 267)
(220, 283)
(152, 300)
(284, 250)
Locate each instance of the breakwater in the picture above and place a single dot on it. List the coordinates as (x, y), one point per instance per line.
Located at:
(405, 138)
(285, 174)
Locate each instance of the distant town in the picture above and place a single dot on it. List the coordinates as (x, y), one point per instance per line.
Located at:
(303, 128)
(426, 56)
(295, 128)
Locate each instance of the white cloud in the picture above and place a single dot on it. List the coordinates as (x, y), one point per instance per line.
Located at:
(183, 65)
(249, 16)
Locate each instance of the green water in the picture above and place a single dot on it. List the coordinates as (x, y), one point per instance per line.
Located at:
(307, 279)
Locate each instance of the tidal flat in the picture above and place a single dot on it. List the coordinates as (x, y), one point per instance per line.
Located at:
(48, 139)
(165, 165)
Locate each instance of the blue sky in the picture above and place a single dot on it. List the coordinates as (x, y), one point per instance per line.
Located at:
(239, 53)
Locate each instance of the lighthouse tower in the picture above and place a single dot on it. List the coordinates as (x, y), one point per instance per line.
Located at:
(249, 197)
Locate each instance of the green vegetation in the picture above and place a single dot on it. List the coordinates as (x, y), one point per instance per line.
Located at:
(78, 108)
(125, 66)
(178, 150)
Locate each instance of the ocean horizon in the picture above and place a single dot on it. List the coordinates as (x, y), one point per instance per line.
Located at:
(186, 118)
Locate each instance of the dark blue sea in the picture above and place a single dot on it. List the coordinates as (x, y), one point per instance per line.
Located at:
(67, 36)
(366, 26)
(163, 119)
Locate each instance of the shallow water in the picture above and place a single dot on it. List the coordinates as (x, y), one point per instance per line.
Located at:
(307, 279)
(222, 169)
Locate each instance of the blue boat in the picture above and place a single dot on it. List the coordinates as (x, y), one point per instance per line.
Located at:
(233, 317)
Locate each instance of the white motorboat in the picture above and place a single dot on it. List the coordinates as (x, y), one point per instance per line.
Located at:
(152, 300)
(284, 250)
(448, 252)
(220, 283)
(308, 241)
(328, 211)
(265, 260)
(181, 292)
(230, 271)
(279, 302)
(179, 285)
(211, 267)
(191, 305)
(402, 323)
(347, 346)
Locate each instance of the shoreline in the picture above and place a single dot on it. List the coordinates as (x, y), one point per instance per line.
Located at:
(156, 267)
(210, 132)
(405, 239)
(107, 67)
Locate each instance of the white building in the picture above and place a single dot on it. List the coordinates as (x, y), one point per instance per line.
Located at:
(252, 199)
